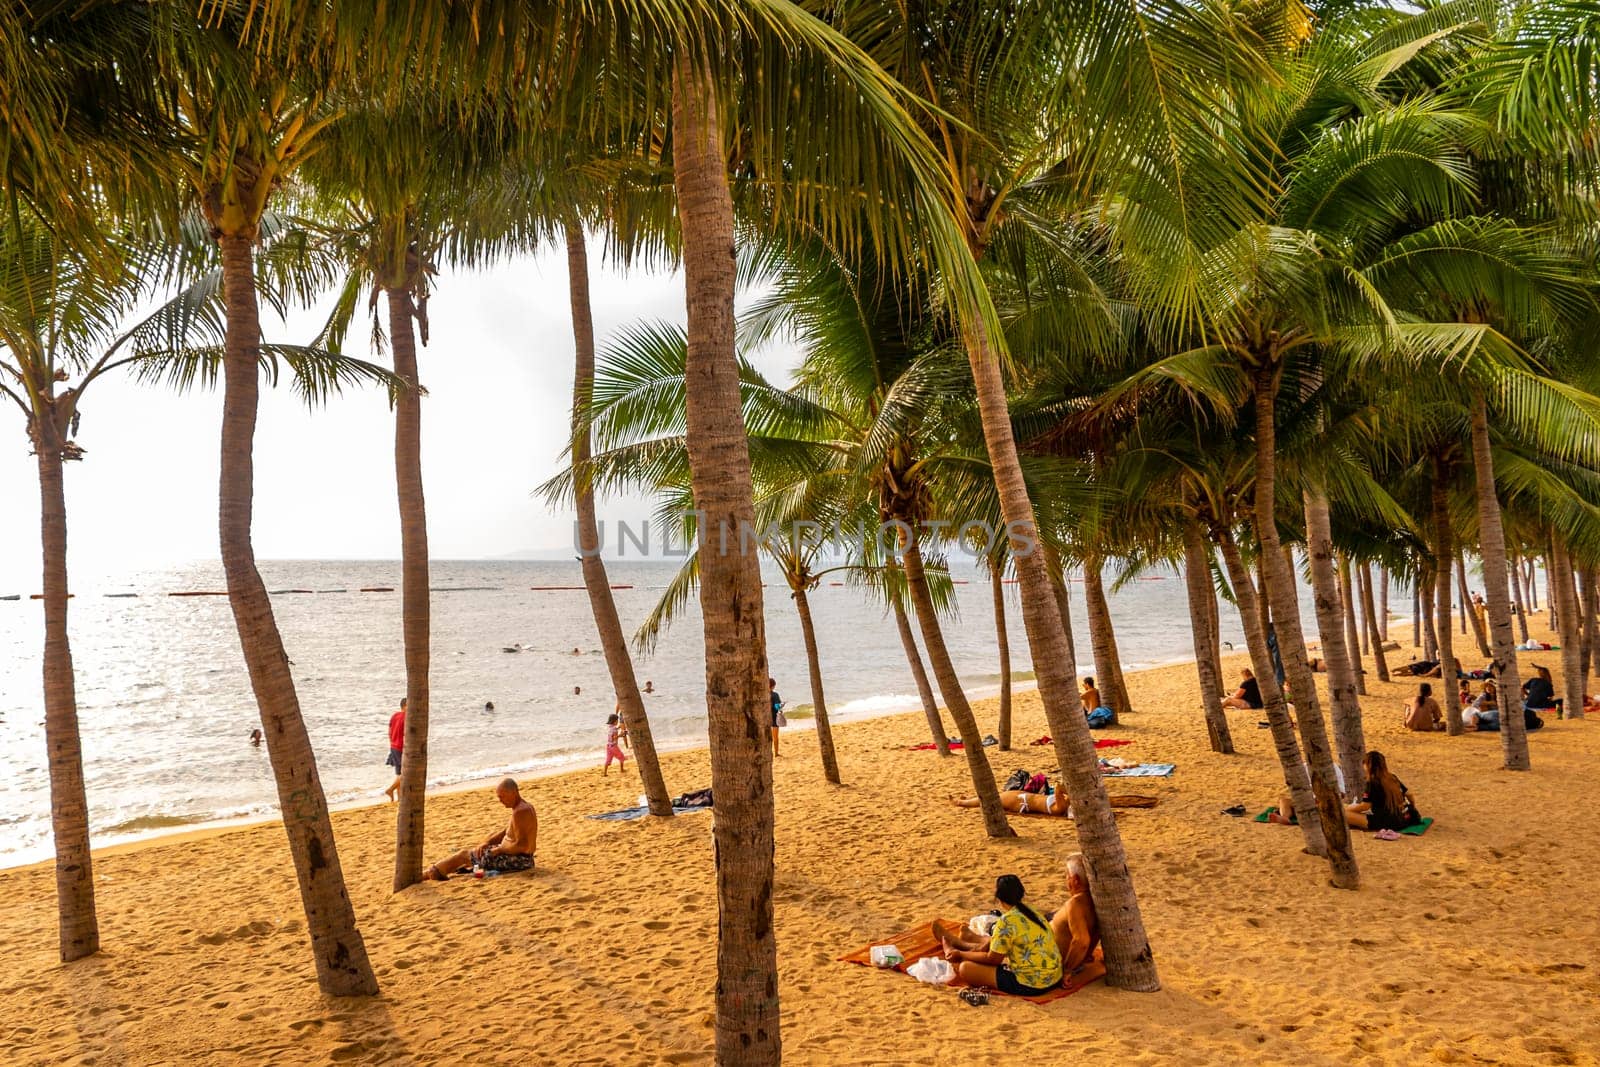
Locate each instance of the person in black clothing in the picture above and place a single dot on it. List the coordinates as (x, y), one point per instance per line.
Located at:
(1386, 804)
(1539, 692)
(777, 711)
(1248, 695)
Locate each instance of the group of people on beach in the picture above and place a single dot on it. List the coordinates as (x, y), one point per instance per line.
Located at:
(1026, 954)
(1481, 712)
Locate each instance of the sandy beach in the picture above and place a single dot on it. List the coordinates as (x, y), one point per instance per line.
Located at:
(1477, 943)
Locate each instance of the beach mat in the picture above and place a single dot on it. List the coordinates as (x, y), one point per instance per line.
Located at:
(629, 814)
(1414, 831)
(1144, 770)
(918, 943)
(1100, 742)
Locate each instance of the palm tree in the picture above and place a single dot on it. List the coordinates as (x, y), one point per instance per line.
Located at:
(1202, 600)
(61, 313)
(997, 593)
(612, 640)
(246, 124)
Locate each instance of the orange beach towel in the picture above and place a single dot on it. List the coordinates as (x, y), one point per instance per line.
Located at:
(919, 943)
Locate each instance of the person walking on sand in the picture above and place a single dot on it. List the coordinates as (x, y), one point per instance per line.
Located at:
(510, 849)
(397, 744)
(614, 733)
(777, 713)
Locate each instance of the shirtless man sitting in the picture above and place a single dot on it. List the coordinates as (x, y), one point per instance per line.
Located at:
(1075, 926)
(510, 849)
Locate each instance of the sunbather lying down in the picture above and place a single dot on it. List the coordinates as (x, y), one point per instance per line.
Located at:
(1019, 802)
(1057, 803)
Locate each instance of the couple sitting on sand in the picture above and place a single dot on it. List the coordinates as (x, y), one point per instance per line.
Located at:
(1386, 803)
(1028, 955)
(510, 849)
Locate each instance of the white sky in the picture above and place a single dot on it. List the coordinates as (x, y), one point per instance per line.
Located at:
(499, 375)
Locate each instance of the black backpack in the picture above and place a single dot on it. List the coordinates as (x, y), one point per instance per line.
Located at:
(1018, 780)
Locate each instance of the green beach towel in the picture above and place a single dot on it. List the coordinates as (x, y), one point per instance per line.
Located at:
(1415, 831)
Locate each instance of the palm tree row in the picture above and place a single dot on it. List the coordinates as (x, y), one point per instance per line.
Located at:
(1193, 284)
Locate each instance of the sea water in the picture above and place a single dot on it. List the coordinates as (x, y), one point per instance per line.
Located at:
(165, 708)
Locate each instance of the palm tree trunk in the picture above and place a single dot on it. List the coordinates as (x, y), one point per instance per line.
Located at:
(1430, 633)
(1003, 643)
(819, 705)
(1292, 643)
(1103, 639)
(1564, 596)
(1264, 611)
(1550, 598)
(1296, 775)
(1416, 616)
(1586, 623)
(1383, 604)
(738, 706)
(1346, 709)
(1516, 590)
(1466, 607)
(613, 641)
(1533, 583)
(1352, 632)
(1443, 551)
(1130, 964)
(415, 620)
(1374, 632)
(1058, 586)
(955, 698)
(1197, 579)
(78, 929)
(1492, 545)
(340, 953)
(924, 690)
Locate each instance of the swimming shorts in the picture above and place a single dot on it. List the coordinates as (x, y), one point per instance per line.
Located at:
(502, 861)
(1005, 980)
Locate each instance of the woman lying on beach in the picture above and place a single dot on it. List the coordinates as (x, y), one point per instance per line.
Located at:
(1387, 804)
(1022, 957)
(1019, 802)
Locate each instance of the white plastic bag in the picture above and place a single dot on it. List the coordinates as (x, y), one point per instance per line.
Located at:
(886, 956)
(933, 970)
(983, 924)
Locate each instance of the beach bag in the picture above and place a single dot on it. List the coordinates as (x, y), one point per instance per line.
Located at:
(1019, 780)
(933, 970)
(1037, 784)
(1099, 717)
(781, 719)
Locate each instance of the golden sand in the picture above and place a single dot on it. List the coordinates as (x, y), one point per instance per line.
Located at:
(1477, 943)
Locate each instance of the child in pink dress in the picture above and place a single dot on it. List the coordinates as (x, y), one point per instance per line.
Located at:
(614, 751)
